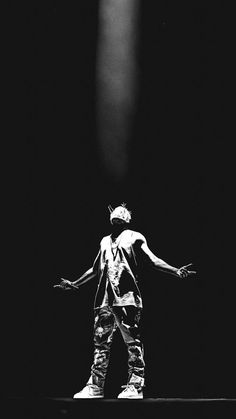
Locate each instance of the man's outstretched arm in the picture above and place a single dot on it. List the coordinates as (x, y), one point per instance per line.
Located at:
(87, 276)
(66, 284)
(160, 264)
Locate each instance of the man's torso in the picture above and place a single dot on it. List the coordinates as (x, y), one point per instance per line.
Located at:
(119, 276)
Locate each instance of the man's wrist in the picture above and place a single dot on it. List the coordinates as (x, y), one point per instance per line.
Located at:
(173, 271)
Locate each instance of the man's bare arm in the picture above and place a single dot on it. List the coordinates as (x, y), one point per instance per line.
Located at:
(160, 264)
(66, 284)
(91, 273)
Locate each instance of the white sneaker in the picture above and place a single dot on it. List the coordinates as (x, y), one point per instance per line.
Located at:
(90, 391)
(130, 392)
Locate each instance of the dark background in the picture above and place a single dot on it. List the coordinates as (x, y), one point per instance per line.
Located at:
(175, 187)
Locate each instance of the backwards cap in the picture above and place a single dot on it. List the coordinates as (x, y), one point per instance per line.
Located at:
(120, 212)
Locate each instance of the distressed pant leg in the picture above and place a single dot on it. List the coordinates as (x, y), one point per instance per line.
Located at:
(128, 321)
(104, 327)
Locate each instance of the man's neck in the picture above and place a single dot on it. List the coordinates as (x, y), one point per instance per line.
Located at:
(117, 231)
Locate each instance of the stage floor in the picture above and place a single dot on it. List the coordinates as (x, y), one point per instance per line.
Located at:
(65, 407)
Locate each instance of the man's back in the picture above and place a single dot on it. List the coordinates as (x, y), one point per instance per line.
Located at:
(118, 270)
(127, 239)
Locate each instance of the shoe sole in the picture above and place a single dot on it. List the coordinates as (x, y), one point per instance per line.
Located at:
(131, 398)
(90, 397)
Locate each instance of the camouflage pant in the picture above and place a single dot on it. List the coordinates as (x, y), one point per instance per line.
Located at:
(107, 320)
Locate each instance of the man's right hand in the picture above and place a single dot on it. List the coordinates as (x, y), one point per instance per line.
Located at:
(65, 284)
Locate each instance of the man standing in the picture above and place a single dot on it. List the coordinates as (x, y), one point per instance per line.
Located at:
(118, 302)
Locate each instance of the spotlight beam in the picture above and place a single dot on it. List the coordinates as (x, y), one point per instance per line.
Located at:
(116, 82)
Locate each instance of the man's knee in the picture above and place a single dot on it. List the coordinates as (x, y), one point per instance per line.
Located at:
(104, 317)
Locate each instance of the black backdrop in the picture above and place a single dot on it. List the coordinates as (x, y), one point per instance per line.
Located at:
(174, 186)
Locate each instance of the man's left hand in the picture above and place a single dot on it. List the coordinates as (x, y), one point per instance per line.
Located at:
(183, 272)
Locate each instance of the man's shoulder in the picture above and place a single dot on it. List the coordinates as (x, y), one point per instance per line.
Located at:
(105, 240)
(135, 235)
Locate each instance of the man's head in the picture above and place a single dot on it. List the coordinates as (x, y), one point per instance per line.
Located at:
(120, 215)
